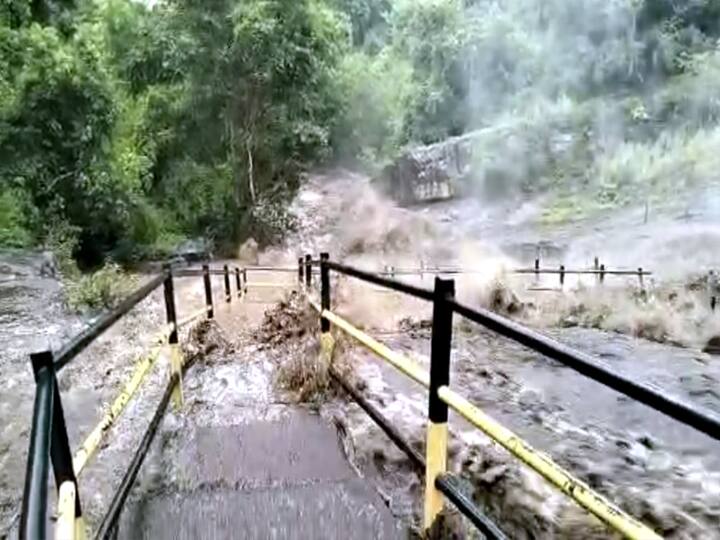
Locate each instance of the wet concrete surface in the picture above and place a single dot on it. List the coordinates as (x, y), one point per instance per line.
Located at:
(343, 509)
(242, 460)
(286, 478)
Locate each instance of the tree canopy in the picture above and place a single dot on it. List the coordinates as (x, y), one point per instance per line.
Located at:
(129, 127)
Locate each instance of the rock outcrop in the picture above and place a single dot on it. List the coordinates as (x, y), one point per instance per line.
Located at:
(427, 173)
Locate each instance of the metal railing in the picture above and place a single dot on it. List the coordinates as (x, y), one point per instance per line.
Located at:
(49, 442)
(600, 271)
(48, 437)
(442, 397)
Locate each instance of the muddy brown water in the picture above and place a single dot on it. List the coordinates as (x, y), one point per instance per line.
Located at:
(660, 471)
(33, 317)
(656, 469)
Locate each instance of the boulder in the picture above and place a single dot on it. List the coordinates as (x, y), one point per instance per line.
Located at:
(494, 162)
(194, 250)
(428, 173)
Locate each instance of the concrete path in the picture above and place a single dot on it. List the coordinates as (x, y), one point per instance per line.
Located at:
(240, 461)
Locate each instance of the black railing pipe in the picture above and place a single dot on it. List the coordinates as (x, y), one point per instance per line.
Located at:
(589, 366)
(86, 337)
(417, 292)
(33, 517)
(110, 520)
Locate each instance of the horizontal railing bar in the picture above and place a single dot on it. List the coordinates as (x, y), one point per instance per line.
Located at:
(34, 505)
(593, 368)
(456, 271)
(292, 269)
(542, 464)
(466, 506)
(588, 272)
(404, 364)
(87, 336)
(417, 292)
(187, 272)
(197, 272)
(190, 318)
(552, 472)
(417, 460)
(263, 285)
(92, 441)
(447, 484)
(111, 517)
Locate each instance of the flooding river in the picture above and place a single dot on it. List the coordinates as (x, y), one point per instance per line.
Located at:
(656, 469)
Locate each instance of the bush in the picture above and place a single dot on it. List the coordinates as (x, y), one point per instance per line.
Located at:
(101, 289)
(13, 220)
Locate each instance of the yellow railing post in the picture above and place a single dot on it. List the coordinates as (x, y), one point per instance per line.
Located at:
(69, 526)
(327, 343)
(176, 360)
(226, 280)
(208, 291)
(437, 430)
(308, 272)
(238, 282)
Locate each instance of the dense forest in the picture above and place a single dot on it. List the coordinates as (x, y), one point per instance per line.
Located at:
(127, 127)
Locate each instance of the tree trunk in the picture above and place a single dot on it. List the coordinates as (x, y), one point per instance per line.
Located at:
(251, 178)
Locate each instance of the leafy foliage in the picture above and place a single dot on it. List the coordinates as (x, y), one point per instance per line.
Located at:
(125, 128)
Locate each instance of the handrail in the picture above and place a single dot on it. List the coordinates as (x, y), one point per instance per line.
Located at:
(542, 464)
(579, 491)
(402, 363)
(446, 483)
(581, 362)
(48, 440)
(444, 305)
(449, 271)
(34, 505)
(110, 520)
(594, 369)
(398, 286)
(49, 436)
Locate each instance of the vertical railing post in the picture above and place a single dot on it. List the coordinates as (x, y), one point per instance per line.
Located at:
(437, 430)
(226, 275)
(208, 291)
(238, 283)
(602, 274)
(308, 272)
(327, 342)
(596, 267)
(171, 314)
(537, 270)
(301, 273)
(245, 281)
(324, 291)
(562, 276)
(176, 360)
(33, 516)
(640, 278)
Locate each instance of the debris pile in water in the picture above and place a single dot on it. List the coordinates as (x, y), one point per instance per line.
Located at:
(289, 333)
(288, 321)
(203, 338)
